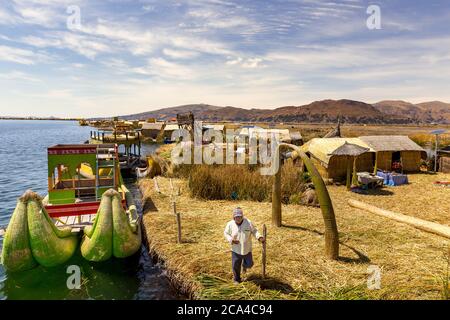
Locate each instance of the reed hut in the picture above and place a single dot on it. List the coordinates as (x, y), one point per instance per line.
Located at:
(169, 129)
(352, 152)
(152, 130)
(334, 166)
(391, 149)
(282, 134)
(215, 127)
(444, 160)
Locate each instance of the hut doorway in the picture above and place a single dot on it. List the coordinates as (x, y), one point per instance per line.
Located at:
(396, 163)
(396, 156)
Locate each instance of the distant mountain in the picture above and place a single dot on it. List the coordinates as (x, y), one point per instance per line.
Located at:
(350, 111)
(426, 112)
(436, 111)
(398, 107)
(329, 111)
(167, 113)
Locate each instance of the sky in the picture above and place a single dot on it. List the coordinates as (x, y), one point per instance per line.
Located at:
(84, 58)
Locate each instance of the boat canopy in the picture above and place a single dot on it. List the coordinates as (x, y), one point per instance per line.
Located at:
(81, 172)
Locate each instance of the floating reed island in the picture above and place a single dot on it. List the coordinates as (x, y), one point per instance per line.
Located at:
(186, 210)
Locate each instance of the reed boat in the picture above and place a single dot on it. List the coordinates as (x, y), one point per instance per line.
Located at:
(83, 122)
(87, 207)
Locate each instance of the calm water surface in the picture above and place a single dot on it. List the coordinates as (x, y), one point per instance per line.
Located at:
(23, 165)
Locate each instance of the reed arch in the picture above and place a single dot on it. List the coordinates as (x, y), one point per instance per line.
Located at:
(326, 206)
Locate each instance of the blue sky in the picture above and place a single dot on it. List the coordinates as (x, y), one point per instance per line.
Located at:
(134, 56)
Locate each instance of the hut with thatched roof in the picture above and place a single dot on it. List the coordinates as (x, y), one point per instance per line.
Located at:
(152, 130)
(332, 165)
(282, 134)
(400, 149)
(444, 160)
(352, 152)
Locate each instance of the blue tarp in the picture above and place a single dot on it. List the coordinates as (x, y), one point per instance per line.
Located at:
(393, 179)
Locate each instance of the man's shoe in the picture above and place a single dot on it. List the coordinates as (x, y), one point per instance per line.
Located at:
(236, 282)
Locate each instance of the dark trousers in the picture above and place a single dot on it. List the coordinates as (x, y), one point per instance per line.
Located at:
(238, 260)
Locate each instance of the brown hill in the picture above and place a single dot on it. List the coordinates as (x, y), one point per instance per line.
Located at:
(320, 111)
(427, 112)
(329, 110)
(167, 113)
(435, 111)
(350, 111)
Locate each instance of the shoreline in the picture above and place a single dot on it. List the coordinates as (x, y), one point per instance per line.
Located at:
(184, 291)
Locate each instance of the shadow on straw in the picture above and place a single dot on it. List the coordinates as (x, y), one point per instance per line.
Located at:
(362, 258)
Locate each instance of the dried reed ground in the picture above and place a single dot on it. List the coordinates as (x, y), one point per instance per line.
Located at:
(412, 261)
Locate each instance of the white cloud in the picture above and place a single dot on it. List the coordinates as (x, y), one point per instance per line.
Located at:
(138, 41)
(18, 75)
(85, 46)
(7, 17)
(159, 67)
(180, 54)
(17, 55)
(37, 15)
(249, 63)
(219, 19)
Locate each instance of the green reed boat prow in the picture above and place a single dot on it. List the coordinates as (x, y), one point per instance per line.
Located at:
(86, 199)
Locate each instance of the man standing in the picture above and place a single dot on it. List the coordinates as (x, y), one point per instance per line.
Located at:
(238, 233)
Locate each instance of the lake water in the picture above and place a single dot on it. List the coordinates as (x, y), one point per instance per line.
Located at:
(23, 165)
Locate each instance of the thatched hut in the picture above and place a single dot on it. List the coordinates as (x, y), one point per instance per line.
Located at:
(152, 130)
(169, 129)
(333, 166)
(352, 152)
(282, 134)
(391, 149)
(444, 160)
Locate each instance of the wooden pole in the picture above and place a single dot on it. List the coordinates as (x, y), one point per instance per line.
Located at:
(375, 167)
(349, 173)
(354, 175)
(171, 187)
(139, 143)
(178, 219)
(401, 163)
(436, 153)
(276, 195)
(264, 261)
(156, 185)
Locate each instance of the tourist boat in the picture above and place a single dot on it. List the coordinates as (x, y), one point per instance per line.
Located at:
(86, 199)
(129, 142)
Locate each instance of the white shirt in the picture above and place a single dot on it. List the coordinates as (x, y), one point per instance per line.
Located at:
(242, 233)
